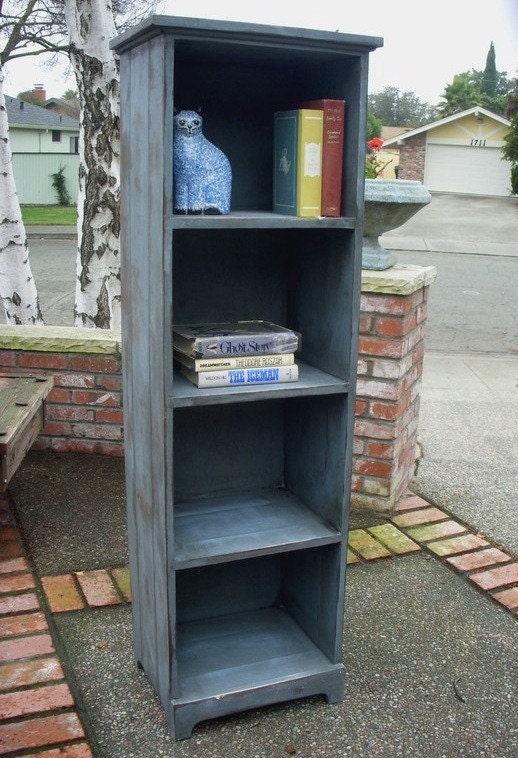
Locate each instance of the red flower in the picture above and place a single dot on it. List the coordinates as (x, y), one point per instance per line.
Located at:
(376, 143)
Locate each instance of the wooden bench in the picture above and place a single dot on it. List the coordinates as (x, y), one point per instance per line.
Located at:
(21, 419)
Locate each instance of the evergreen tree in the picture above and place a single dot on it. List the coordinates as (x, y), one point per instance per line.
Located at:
(490, 76)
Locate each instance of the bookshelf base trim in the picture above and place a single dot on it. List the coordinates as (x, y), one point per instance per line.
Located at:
(243, 661)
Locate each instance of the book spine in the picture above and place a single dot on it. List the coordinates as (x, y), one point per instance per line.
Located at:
(309, 162)
(332, 153)
(285, 162)
(237, 377)
(252, 361)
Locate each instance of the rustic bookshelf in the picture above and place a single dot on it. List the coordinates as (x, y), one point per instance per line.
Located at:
(237, 497)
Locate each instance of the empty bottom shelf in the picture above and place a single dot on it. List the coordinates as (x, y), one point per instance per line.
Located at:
(246, 660)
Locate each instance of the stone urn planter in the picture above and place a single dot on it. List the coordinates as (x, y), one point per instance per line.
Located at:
(389, 203)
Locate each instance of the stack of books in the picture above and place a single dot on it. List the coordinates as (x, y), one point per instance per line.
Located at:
(235, 353)
(308, 159)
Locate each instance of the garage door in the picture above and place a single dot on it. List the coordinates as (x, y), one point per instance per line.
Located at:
(465, 169)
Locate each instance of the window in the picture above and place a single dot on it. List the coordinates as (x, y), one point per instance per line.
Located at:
(56, 135)
(74, 145)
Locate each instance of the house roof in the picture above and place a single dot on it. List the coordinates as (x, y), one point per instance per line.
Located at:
(477, 110)
(28, 115)
(388, 132)
(63, 105)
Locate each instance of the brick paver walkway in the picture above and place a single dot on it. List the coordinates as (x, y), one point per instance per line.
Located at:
(38, 715)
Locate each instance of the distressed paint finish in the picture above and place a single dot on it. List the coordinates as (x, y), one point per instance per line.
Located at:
(17, 286)
(98, 292)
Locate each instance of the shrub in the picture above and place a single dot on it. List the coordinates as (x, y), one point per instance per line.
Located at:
(60, 185)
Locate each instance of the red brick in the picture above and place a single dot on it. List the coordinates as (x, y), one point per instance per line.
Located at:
(13, 565)
(56, 429)
(16, 583)
(26, 673)
(109, 382)
(74, 380)
(8, 533)
(25, 647)
(383, 347)
(388, 411)
(48, 698)
(395, 327)
(360, 407)
(12, 626)
(509, 597)
(395, 305)
(72, 445)
(379, 468)
(62, 593)
(39, 732)
(98, 588)
(410, 502)
(380, 449)
(95, 397)
(95, 364)
(455, 545)
(422, 516)
(10, 549)
(78, 750)
(376, 430)
(58, 395)
(423, 533)
(7, 358)
(496, 577)
(68, 413)
(18, 603)
(42, 360)
(109, 416)
(97, 431)
(379, 389)
(479, 559)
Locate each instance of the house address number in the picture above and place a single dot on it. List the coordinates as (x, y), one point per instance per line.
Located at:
(478, 142)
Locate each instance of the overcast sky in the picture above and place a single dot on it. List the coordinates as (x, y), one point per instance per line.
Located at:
(425, 45)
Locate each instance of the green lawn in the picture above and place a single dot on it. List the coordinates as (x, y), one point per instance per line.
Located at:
(59, 215)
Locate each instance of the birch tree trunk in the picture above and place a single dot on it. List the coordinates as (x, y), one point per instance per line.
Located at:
(90, 27)
(17, 286)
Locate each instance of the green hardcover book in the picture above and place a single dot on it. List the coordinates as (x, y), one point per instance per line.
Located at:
(297, 175)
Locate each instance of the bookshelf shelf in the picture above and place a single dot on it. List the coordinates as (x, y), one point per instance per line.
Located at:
(252, 524)
(259, 220)
(311, 381)
(237, 497)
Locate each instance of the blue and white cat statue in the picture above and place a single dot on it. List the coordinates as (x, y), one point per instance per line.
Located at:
(201, 171)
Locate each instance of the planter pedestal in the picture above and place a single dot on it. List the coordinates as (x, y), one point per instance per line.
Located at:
(389, 203)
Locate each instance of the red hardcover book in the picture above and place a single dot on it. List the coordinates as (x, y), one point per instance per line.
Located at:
(332, 153)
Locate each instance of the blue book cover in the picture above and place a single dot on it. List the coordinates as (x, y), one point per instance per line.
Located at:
(285, 162)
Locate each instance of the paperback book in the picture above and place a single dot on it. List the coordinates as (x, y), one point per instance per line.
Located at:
(245, 361)
(231, 339)
(239, 377)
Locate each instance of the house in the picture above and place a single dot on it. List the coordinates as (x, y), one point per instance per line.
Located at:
(390, 155)
(459, 154)
(41, 142)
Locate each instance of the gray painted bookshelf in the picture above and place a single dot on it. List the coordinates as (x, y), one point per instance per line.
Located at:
(237, 497)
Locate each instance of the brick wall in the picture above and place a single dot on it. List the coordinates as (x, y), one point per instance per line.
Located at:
(84, 410)
(411, 158)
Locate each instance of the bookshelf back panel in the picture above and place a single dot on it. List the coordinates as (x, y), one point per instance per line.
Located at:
(302, 280)
(297, 443)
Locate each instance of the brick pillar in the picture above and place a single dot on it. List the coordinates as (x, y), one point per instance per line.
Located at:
(390, 364)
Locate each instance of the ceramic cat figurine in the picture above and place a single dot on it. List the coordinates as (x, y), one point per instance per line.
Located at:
(201, 171)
